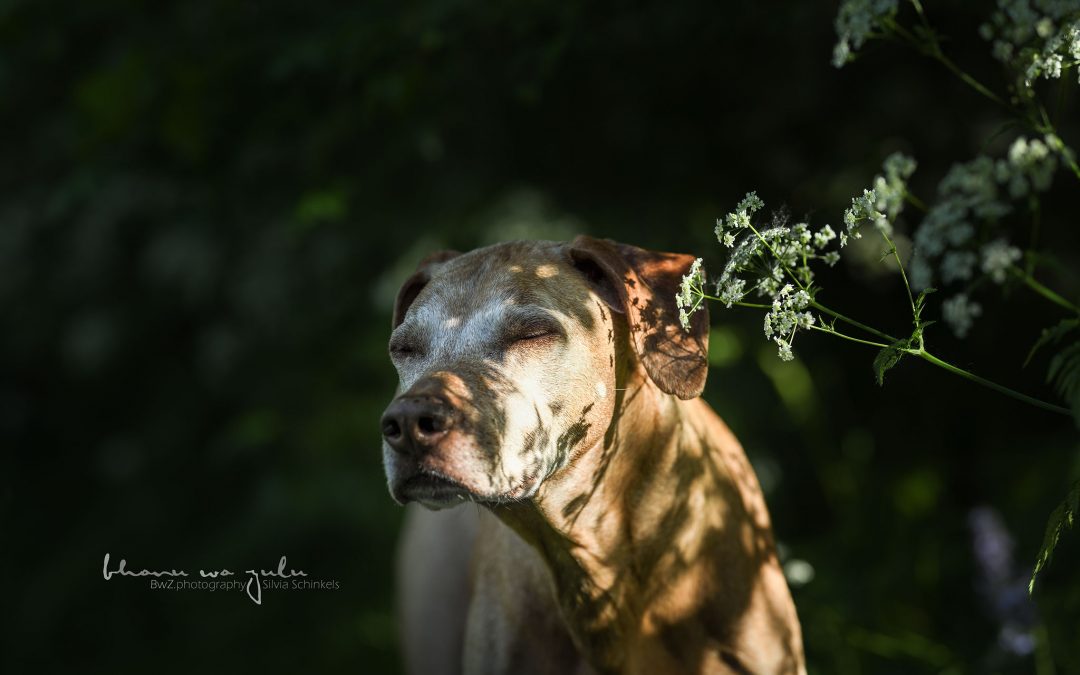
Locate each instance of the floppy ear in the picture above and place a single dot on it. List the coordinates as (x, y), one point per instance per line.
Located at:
(642, 285)
(415, 283)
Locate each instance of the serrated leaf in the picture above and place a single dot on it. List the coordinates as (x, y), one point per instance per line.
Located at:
(1064, 375)
(920, 302)
(888, 357)
(1061, 518)
(1052, 334)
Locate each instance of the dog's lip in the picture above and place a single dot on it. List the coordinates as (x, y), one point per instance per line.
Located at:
(434, 490)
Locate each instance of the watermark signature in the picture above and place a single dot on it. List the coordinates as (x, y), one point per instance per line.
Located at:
(218, 579)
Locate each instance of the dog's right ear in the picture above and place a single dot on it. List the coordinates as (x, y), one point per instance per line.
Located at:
(642, 285)
(415, 283)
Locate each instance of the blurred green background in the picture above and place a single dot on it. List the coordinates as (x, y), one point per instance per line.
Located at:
(207, 207)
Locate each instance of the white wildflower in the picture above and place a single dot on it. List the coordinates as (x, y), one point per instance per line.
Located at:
(1039, 38)
(691, 293)
(1028, 161)
(862, 208)
(856, 21)
(823, 236)
(997, 257)
(890, 188)
(957, 266)
(727, 228)
(959, 313)
(785, 350)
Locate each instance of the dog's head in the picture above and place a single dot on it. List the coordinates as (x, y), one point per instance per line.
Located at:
(508, 357)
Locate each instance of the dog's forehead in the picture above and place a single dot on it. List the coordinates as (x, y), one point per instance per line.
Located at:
(503, 275)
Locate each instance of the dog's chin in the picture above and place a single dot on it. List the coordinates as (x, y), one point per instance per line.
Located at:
(435, 490)
(432, 490)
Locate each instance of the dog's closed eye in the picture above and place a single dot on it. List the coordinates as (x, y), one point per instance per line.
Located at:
(533, 332)
(404, 347)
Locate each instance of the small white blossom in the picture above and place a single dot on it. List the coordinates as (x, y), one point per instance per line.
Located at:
(691, 290)
(958, 266)
(959, 313)
(1030, 161)
(856, 21)
(997, 257)
(823, 236)
(862, 208)
(727, 228)
(785, 350)
(890, 188)
(1038, 38)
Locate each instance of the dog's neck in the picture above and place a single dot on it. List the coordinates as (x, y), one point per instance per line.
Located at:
(630, 529)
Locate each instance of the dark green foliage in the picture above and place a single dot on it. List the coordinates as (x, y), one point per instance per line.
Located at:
(207, 207)
(1063, 373)
(1061, 518)
(888, 357)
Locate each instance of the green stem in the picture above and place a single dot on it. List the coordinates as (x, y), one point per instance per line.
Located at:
(932, 49)
(1047, 127)
(920, 352)
(1050, 295)
(1070, 161)
(915, 201)
(968, 79)
(848, 337)
(1033, 245)
(927, 356)
(853, 322)
(903, 275)
(739, 303)
(778, 258)
(753, 305)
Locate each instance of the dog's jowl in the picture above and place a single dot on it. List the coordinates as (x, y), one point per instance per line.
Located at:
(614, 523)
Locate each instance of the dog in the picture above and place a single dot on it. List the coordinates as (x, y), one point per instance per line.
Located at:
(618, 526)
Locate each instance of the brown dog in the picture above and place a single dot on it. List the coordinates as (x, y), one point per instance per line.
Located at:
(621, 528)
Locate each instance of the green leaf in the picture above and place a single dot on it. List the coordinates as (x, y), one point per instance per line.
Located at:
(920, 302)
(1062, 517)
(1064, 371)
(888, 357)
(1051, 335)
(1064, 375)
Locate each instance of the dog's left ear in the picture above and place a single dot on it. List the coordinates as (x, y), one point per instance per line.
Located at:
(643, 284)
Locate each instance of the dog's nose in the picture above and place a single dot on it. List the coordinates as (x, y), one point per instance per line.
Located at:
(413, 424)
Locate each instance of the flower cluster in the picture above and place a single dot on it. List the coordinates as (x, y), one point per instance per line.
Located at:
(862, 209)
(1040, 38)
(728, 227)
(997, 257)
(980, 191)
(774, 262)
(786, 317)
(891, 186)
(959, 313)
(856, 21)
(691, 293)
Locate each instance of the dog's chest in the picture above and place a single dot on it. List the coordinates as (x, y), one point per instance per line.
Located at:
(514, 624)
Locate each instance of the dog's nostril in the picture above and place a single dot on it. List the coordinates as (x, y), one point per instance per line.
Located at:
(429, 425)
(391, 429)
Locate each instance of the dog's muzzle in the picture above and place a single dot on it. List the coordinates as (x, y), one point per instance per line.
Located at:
(413, 425)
